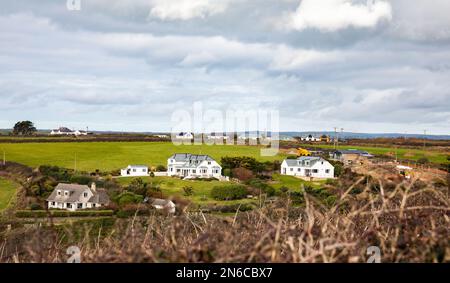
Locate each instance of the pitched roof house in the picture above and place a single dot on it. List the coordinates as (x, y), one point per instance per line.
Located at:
(159, 204)
(73, 197)
(193, 166)
(307, 166)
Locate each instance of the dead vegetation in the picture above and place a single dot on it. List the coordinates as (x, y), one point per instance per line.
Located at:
(408, 222)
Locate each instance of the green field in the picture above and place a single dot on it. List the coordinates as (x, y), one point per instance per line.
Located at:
(171, 186)
(7, 191)
(435, 156)
(108, 156)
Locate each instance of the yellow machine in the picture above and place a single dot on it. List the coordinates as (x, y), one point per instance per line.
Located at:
(303, 152)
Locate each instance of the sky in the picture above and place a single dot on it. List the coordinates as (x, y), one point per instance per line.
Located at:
(364, 66)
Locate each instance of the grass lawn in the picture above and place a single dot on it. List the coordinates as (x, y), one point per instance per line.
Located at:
(108, 156)
(292, 182)
(7, 192)
(434, 156)
(171, 186)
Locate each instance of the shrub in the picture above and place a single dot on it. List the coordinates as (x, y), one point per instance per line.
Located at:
(229, 192)
(227, 172)
(260, 185)
(128, 198)
(62, 213)
(188, 191)
(35, 206)
(81, 179)
(242, 174)
(161, 168)
(423, 160)
(152, 174)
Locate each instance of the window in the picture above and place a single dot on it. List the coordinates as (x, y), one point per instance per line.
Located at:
(144, 170)
(193, 171)
(327, 171)
(171, 169)
(298, 169)
(59, 193)
(68, 205)
(315, 171)
(80, 205)
(178, 170)
(85, 195)
(209, 162)
(134, 170)
(291, 169)
(204, 171)
(93, 205)
(66, 193)
(53, 203)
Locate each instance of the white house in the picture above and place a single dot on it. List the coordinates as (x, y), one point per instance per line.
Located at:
(134, 171)
(193, 166)
(63, 131)
(73, 197)
(184, 136)
(307, 166)
(310, 138)
(162, 204)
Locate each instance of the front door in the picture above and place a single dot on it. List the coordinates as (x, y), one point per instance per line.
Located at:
(307, 172)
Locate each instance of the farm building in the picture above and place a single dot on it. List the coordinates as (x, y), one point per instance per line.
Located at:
(73, 197)
(193, 166)
(134, 171)
(307, 166)
(350, 156)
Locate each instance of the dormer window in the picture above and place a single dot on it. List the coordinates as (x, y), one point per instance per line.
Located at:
(85, 194)
(58, 192)
(209, 162)
(66, 193)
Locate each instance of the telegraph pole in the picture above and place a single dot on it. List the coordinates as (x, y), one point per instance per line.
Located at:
(335, 137)
(4, 158)
(75, 169)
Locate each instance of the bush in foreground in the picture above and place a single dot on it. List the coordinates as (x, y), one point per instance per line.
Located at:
(229, 192)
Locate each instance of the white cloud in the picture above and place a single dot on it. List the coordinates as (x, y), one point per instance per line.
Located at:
(333, 15)
(187, 9)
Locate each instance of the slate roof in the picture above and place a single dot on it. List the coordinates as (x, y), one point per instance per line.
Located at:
(301, 161)
(75, 192)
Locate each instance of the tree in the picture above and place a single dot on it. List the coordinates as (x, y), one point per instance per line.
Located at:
(24, 128)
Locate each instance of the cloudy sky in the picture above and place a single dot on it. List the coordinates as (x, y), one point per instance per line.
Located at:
(365, 66)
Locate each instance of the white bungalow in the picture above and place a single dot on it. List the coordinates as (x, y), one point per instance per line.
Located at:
(134, 171)
(73, 197)
(193, 166)
(307, 166)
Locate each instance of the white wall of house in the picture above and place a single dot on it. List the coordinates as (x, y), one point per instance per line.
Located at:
(134, 171)
(321, 169)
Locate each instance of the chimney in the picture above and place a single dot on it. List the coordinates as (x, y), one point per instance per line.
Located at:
(93, 187)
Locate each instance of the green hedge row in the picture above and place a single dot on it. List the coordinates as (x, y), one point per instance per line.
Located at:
(62, 213)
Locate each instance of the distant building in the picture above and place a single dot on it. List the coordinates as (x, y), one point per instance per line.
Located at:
(63, 131)
(307, 166)
(350, 156)
(162, 204)
(73, 197)
(193, 166)
(134, 171)
(184, 136)
(310, 138)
